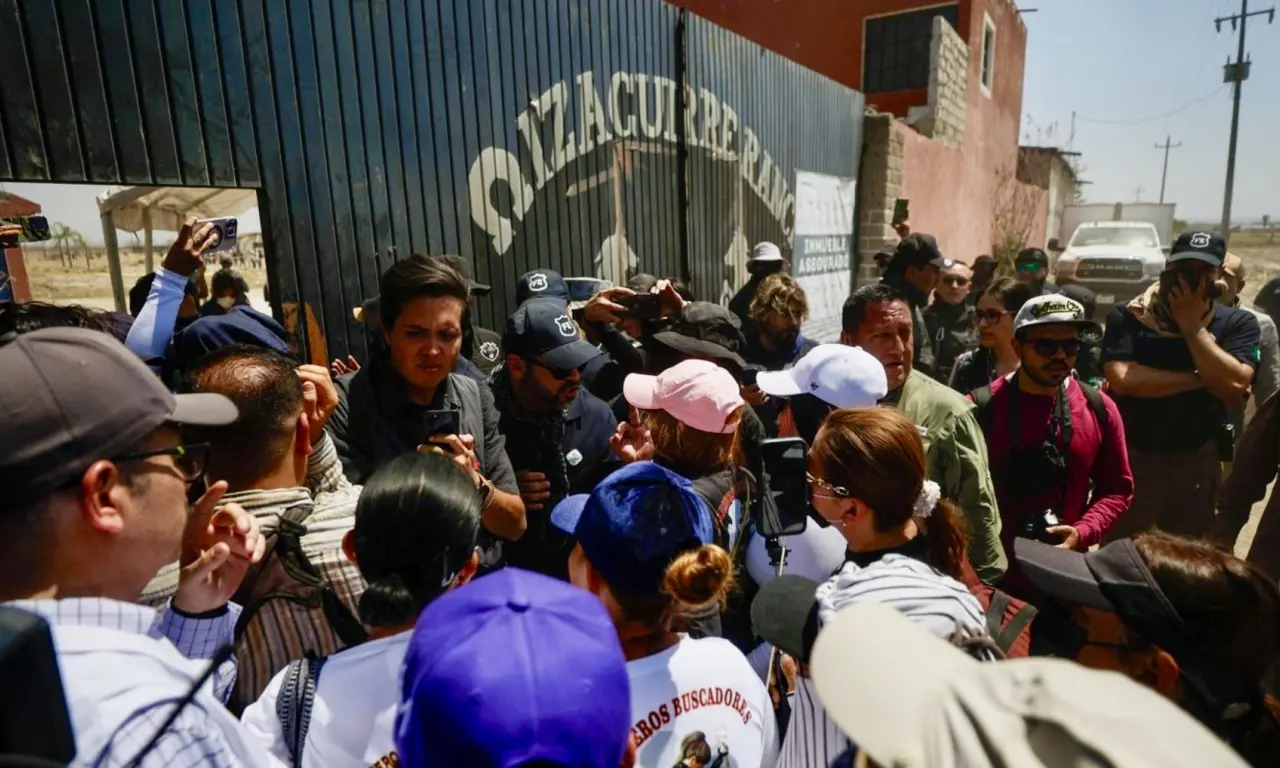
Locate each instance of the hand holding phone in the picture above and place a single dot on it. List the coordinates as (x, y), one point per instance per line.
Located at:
(786, 466)
(641, 306)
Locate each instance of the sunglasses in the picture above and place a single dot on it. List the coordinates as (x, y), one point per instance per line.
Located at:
(990, 316)
(1049, 347)
(560, 373)
(957, 281)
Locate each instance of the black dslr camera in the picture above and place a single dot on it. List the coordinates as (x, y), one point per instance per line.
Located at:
(1034, 472)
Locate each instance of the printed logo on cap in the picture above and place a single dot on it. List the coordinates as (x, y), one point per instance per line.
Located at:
(813, 385)
(565, 324)
(1200, 240)
(489, 351)
(1054, 308)
(537, 282)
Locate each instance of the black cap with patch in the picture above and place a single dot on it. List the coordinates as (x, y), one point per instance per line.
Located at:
(541, 282)
(542, 327)
(1199, 246)
(916, 250)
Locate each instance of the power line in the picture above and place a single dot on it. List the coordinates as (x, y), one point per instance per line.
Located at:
(1141, 120)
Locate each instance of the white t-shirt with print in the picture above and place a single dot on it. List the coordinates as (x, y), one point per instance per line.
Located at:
(701, 687)
(354, 715)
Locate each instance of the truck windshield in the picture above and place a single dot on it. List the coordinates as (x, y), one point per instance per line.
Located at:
(1135, 237)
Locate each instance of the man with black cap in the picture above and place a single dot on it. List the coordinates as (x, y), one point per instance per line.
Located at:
(96, 472)
(984, 272)
(557, 432)
(1031, 265)
(1175, 362)
(914, 271)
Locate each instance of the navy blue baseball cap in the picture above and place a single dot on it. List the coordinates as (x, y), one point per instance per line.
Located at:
(1199, 246)
(635, 523)
(511, 669)
(542, 327)
(541, 282)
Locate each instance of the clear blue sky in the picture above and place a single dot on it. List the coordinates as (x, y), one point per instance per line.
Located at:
(1117, 60)
(1133, 59)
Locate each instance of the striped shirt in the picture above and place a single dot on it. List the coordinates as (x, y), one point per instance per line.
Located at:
(936, 601)
(267, 646)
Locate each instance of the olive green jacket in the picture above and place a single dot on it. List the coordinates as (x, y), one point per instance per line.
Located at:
(957, 461)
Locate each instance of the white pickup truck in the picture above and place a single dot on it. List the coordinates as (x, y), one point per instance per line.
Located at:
(1116, 260)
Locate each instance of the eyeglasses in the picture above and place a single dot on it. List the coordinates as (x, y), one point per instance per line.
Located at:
(1048, 347)
(989, 316)
(839, 490)
(191, 459)
(559, 373)
(956, 281)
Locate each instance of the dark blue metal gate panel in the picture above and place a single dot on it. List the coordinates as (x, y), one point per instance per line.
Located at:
(597, 137)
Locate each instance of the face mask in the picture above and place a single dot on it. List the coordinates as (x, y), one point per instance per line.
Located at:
(226, 302)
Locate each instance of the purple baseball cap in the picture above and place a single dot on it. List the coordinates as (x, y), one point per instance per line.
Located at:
(635, 523)
(512, 668)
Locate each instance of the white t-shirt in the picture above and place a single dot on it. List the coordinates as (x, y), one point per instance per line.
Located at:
(354, 715)
(701, 686)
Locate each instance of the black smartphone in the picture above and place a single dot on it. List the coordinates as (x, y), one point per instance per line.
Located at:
(444, 422)
(785, 464)
(35, 229)
(749, 375)
(641, 306)
(901, 210)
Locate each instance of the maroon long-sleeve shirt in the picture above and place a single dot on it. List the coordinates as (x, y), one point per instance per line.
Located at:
(1094, 454)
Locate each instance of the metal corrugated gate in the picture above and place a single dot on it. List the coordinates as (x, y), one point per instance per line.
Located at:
(520, 133)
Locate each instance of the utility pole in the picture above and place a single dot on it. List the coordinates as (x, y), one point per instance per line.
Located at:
(1236, 73)
(1137, 195)
(1166, 146)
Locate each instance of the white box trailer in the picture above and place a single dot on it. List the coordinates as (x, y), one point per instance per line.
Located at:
(1158, 214)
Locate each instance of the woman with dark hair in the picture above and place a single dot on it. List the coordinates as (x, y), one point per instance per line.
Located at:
(227, 289)
(1192, 622)
(645, 548)
(414, 539)
(995, 356)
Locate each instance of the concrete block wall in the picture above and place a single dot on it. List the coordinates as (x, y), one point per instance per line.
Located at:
(948, 85)
(880, 185)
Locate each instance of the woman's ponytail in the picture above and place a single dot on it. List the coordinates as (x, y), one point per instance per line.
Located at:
(946, 537)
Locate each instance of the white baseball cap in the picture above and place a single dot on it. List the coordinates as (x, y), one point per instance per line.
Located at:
(766, 251)
(911, 699)
(836, 374)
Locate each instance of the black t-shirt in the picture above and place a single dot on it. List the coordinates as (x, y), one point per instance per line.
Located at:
(1183, 422)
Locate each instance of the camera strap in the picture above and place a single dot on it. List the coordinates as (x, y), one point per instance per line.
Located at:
(1060, 431)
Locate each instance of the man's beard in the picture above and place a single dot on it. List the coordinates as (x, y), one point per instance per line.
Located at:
(1042, 380)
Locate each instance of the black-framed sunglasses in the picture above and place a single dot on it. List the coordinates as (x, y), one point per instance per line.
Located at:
(1048, 347)
(560, 373)
(990, 316)
(955, 280)
(191, 459)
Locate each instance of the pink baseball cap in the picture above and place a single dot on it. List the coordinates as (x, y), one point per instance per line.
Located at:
(698, 393)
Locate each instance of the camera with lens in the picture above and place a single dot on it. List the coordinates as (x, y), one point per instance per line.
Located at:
(1034, 472)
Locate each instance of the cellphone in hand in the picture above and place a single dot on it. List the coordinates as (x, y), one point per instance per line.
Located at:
(786, 465)
(225, 229)
(444, 422)
(641, 306)
(901, 210)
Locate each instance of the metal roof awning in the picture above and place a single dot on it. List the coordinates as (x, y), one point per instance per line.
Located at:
(146, 209)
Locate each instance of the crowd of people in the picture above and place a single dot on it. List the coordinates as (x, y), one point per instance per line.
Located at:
(555, 545)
